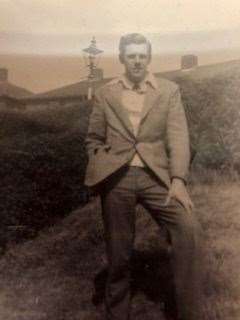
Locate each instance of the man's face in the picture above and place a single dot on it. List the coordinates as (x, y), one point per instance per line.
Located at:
(136, 59)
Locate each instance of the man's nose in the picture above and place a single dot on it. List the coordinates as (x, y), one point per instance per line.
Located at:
(137, 60)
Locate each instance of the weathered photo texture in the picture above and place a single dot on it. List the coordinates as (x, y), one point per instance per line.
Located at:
(54, 57)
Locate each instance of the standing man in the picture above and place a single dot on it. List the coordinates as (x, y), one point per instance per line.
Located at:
(138, 147)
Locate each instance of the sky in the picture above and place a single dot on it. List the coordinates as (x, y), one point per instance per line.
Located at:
(102, 16)
(65, 27)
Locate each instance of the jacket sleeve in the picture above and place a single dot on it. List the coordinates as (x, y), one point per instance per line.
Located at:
(178, 137)
(96, 134)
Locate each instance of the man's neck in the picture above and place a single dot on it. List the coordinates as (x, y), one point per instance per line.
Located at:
(136, 81)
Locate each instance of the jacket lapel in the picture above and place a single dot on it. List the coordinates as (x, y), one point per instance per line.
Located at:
(151, 99)
(114, 100)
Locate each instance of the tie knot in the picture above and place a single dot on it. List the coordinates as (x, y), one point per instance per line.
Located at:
(136, 87)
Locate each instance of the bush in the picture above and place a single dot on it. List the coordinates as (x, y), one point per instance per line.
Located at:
(42, 165)
(212, 106)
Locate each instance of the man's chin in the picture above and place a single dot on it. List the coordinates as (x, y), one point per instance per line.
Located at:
(137, 77)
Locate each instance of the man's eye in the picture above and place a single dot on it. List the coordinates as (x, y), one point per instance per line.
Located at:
(142, 56)
(131, 56)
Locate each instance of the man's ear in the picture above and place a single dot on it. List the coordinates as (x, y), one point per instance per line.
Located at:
(149, 59)
(121, 59)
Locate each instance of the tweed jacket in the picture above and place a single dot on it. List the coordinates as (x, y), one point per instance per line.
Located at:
(162, 141)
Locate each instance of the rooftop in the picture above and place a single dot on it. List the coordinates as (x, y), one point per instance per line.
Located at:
(10, 90)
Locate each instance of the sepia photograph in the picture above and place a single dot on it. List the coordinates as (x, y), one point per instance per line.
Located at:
(120, 160)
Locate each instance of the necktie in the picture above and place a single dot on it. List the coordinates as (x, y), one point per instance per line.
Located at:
(136, 87)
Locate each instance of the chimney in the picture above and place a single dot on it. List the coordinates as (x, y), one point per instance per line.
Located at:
(3, 74)
(189, 62)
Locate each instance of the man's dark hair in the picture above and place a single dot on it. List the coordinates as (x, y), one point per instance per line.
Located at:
(135, 38)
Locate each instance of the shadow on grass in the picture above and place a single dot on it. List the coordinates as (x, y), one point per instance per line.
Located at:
(151, 274)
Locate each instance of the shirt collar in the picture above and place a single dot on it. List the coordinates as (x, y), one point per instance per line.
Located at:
(149, 79)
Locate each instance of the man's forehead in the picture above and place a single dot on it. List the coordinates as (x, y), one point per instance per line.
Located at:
(135, 48)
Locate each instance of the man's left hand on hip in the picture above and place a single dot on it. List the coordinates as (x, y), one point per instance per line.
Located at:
(179, 192)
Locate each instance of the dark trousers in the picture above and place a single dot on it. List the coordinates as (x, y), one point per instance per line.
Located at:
(120, 195)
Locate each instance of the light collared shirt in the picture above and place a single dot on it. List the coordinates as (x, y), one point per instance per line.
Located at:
(133, 101)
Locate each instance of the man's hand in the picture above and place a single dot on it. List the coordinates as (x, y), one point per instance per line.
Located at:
(179, 192)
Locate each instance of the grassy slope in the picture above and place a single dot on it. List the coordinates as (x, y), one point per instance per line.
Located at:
(50, 277)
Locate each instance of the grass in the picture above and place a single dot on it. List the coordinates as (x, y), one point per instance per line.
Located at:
(51, 276)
